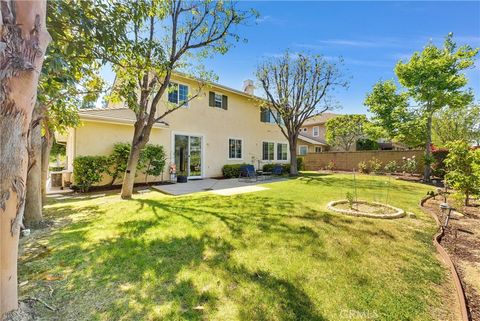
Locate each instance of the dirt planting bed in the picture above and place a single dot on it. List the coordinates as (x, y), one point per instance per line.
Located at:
(462, 242)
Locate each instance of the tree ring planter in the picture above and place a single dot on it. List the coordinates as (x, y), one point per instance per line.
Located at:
(388, 212)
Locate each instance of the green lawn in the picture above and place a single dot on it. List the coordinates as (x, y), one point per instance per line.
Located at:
(271, 255)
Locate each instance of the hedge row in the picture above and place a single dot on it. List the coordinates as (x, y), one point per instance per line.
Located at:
(233, 170)
(89, 170)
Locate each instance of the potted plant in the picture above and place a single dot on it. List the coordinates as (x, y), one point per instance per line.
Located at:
(182, 177)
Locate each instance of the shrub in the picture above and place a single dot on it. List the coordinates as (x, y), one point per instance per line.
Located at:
(300, 164)
(88, 170)
(232, 170)
(391, 167)
(463, 169)
(409, 164)
(330, 166)
(375, 165)
(152, 160)
(117, 161)
(270, 167)
(438, 166)
(363, 168)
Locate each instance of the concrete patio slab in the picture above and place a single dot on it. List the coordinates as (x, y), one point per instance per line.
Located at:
(210, 184)
(239, 190)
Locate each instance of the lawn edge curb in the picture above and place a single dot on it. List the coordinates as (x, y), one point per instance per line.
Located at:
(399, 213)
(447, 260)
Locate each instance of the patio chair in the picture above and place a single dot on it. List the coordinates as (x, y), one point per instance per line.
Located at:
(277, 170)
(247, 173)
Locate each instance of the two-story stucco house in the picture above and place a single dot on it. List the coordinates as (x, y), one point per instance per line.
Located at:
(311, 138)
(220, 126)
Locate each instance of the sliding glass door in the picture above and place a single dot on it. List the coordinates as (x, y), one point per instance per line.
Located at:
(188, 155)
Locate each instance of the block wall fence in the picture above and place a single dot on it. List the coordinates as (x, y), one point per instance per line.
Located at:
(348, 161)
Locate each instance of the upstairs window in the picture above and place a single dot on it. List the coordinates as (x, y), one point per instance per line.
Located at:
(234, 148)
(282, 151)
(266, 116)
(217, 100)
(177, 93)
(316, 131)
(268, 151)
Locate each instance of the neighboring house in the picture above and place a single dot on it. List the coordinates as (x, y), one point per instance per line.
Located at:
(221, 126)
(311, 138)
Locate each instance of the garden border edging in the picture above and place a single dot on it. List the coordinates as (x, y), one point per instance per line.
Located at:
(398, 212)
(447, 260)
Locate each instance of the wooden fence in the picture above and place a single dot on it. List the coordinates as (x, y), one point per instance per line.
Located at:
(349, 160)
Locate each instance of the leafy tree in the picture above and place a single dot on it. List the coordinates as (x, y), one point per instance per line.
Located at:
(343, 131)
(68, 79)
(24, 38)
(433, 79)
(117, 161)
(157, 39)
(392, 115)
(463, 168)
(296, 88)
(152, 160)
(452, 124)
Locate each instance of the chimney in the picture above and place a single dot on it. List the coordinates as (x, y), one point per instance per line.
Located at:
(248, 86)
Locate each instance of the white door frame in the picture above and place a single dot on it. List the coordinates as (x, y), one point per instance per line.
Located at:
(202, 154)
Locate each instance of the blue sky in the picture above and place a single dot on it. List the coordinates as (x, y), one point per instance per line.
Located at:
(370, 36)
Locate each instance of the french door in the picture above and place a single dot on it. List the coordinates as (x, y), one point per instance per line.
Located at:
(188, 155)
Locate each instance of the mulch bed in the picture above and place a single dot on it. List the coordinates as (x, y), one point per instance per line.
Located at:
(462, 242)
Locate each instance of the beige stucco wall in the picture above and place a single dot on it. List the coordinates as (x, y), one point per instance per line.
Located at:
(215, 125)
(309, 132)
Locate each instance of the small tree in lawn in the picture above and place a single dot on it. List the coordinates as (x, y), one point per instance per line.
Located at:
(152, 160)
(463, 169)
(433, 79)
(157, 39)
(296, 88)
(343, 131)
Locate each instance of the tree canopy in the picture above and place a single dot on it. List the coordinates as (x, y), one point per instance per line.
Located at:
(343, 131)
(430, 80)
(296, 88)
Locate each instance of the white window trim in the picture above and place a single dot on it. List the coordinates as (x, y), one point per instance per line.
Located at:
(178, 93)
(300, 147)
(318, 131)
(221, 100)
(241, 146)
(274, 150)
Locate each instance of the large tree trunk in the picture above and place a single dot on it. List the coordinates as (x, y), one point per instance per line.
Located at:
(47, 143)
(33, 199)
(129, 178)
(293, 157)
(428, 151)
(23, 38)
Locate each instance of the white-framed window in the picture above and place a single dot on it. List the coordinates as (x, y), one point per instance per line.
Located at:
(218, 100)
(282, 153)
(268, 151)
(302, 150)
(316, 131)
(318, 149)
(234, 148)
(267, 116)
(177, 93)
